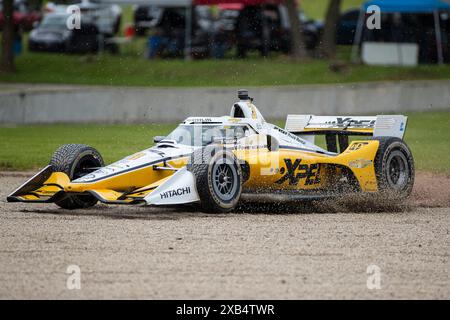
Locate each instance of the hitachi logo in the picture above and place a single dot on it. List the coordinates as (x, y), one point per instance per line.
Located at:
(176, 192)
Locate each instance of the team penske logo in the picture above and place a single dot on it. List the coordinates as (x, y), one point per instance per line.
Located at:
(296, 171)
(175, 192)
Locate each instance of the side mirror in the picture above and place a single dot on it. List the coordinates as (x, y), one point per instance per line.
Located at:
(35, 24)
(272, 143)
(158, 139)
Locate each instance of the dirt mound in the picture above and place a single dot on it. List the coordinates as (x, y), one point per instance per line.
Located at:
(431, 191)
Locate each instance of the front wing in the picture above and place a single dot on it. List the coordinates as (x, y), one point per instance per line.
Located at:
(47, 186)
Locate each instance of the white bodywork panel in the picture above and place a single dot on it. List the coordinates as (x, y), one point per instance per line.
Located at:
(250, 111)
(178, 189)
(390, 126)
(297, 123)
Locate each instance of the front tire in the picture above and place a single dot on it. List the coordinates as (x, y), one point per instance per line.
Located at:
(76, 160)
(218, 178)
(394, 168)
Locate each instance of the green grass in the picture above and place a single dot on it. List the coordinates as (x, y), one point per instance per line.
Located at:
(129, 70)
(316, 9)
(30, 147)
(428, 135)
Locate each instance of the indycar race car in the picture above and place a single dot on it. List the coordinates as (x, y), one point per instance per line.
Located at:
(214, 162)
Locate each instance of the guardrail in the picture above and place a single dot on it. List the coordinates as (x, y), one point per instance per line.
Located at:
(29, 104)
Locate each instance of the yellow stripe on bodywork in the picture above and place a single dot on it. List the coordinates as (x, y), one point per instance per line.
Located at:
(144, 191)
(47, 190)
(29, 197)
(59, 178)
(130, 180)
(350, 130)
(107, 194)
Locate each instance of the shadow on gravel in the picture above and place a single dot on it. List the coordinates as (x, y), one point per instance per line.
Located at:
(353, 205)
(127, 213)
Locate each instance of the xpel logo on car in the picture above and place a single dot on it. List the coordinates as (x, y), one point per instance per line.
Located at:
(297, 171)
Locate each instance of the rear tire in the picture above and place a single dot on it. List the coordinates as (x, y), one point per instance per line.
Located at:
(75, 160)
(218, 178)
(394, 168)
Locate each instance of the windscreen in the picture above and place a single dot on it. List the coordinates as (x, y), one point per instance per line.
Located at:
(202, 135)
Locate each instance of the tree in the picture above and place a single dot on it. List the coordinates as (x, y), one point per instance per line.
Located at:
(329, 34)
(298, 48)
(7, 60)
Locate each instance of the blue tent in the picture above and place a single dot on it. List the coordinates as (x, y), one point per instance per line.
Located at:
(405, 6)
(409, 6)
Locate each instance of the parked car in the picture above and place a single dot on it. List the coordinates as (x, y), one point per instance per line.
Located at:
(24, 15)
(53, 35)
(106, 17)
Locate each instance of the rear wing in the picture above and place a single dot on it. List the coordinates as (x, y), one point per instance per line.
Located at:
(308, 126)
(379, 126)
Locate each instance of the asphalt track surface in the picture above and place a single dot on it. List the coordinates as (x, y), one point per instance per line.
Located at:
(319, 251)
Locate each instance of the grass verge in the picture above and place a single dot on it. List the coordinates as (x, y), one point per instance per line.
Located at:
(316, 9)
(130, 70)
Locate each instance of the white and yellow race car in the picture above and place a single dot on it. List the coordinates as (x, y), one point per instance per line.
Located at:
(217, 161)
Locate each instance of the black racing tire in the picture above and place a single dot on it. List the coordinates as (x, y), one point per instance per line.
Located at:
(218, 178)
(76, 160)
(394, 168)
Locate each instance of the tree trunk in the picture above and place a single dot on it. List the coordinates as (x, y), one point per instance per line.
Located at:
(329, 33)
(7, 62)
(297, 45)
